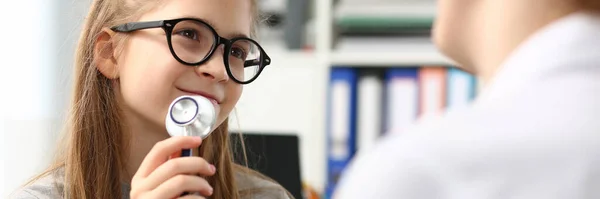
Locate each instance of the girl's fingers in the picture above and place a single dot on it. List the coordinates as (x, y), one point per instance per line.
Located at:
(175, 155)
(162, 150)
(191, 197)
(177, 166)
(179, 184)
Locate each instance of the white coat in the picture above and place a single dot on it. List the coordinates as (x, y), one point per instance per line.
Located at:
(533, 133)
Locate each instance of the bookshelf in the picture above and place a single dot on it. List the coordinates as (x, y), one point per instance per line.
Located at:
(291, 94)
(377, 59)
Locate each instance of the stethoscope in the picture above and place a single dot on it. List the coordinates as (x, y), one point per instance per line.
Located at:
(190, 116)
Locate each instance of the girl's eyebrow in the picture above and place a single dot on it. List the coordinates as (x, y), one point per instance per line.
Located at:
(237, 35)
(229, 36)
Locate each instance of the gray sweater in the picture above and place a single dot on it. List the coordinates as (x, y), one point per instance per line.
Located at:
(51, 187)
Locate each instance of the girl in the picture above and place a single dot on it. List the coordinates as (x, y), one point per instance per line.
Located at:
(133, 59)
(532, 133)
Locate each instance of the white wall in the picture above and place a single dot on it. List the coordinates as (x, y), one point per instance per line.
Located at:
(37, 55)
(2, 149)
(28, 65)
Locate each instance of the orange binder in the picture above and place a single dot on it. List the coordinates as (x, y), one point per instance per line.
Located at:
(432, 93)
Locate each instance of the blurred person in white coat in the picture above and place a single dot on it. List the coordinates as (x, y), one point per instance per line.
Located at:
(533, 132)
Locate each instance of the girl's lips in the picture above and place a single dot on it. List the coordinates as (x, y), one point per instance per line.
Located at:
(208, 96)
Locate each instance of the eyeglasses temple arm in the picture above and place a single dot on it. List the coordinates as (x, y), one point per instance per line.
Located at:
(254, 62)
(133, 26)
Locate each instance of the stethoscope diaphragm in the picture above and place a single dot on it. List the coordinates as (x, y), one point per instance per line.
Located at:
(190, 116)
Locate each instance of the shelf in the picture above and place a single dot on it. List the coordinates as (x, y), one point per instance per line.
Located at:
(392, 52)
(385, 9)
(377, 59)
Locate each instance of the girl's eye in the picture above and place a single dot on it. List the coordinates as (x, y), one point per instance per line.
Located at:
(189, 33)
(238, 52)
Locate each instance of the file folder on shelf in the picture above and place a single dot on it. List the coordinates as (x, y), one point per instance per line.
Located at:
(341, 120)
(369, 116)
(401, 101)
(432, 80)
(461, 88)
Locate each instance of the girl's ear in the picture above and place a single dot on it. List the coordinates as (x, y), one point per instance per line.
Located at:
(104, 54)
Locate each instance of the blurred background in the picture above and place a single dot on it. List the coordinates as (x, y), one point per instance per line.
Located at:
(344, 72)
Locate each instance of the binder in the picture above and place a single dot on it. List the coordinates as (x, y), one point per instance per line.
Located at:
(401, 98)
(432, 81)
(341, 120)
(370, 102)
(461, 88)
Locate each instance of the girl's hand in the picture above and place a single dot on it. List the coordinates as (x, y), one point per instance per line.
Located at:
(161, 178)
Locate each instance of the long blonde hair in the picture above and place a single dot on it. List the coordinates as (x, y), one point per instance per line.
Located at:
(92, 154)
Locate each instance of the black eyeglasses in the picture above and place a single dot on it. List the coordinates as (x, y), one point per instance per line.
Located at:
(192, 42)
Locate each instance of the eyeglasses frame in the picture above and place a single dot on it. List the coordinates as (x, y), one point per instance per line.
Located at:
(168, 25)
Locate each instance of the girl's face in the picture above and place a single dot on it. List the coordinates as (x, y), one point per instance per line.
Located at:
(151, 78)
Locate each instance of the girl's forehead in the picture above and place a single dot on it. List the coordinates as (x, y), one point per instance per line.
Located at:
(227, 17)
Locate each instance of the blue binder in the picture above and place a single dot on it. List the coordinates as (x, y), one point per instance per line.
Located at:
(341, 124)
(461, 88)
(401, 97)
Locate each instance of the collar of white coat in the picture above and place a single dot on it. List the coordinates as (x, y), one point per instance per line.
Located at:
(554, 47)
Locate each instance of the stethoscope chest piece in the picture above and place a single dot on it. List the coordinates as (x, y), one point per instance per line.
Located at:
(190, 116)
